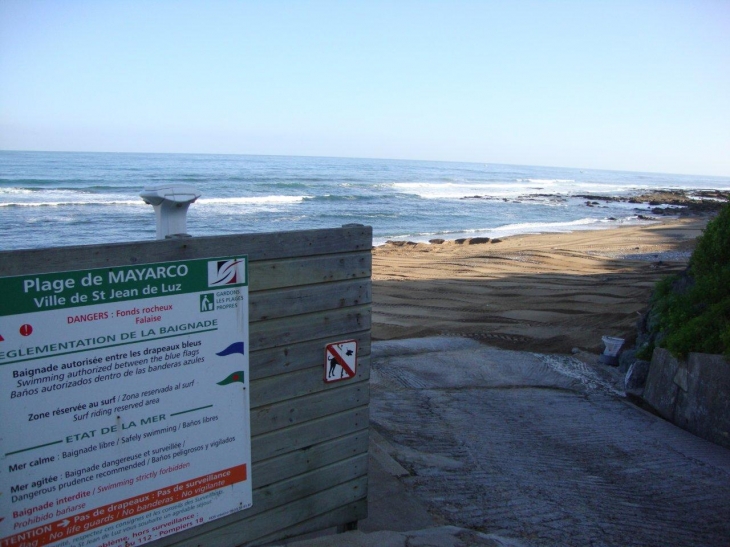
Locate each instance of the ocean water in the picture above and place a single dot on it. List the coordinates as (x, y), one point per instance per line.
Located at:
(57, 198)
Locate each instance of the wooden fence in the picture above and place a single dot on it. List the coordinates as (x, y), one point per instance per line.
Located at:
(309, 438)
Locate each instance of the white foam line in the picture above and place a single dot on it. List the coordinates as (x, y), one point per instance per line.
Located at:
(525, 228)
(574, 368)
(70, 203)
(254, 200)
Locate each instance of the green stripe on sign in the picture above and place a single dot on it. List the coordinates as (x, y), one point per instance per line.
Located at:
(72, 289)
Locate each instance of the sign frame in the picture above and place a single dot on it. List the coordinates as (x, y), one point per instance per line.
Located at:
(340, 356)
(156, 298)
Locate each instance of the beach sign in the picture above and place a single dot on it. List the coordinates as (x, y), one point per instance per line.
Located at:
(340, 361)
(126, 402)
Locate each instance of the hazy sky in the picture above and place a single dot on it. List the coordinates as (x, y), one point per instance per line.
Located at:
(634, 85)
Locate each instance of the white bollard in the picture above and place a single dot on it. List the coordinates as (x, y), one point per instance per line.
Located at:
(171, 208)
(613, 345)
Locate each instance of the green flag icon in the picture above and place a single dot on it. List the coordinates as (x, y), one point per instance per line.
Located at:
(233, 377)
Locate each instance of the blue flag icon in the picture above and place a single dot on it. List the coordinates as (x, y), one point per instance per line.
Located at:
(236, 347)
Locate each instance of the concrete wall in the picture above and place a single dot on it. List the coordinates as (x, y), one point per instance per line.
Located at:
(694, 394)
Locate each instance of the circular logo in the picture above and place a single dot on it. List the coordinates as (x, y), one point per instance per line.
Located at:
(26, 330)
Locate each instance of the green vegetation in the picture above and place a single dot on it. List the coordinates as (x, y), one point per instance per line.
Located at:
(691, 311)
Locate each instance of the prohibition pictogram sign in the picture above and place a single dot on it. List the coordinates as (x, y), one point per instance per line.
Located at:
(340, 361)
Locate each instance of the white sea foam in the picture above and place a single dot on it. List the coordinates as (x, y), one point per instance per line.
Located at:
(74, 199)
(547, 181)
(72, 203)
(252, 200)
(417, 200)
(518, 189)
(451, 190)
(522, 228)
(12, 190)
(540, 227)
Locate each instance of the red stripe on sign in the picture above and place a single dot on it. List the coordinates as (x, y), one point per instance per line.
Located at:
(121, 510)
(341, 361)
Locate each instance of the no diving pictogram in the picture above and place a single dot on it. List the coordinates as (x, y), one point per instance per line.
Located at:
(340, 361)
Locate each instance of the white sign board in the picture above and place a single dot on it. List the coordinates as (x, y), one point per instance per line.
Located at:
(340, 361)
(124, 397)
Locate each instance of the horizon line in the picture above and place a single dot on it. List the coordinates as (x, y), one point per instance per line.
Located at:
(485, 163)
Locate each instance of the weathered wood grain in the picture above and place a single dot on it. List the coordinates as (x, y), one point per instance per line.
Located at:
(309, 458)
(292, 411)
(304, 485)
(327, 520)
(302, 382)
(274, 304)
(288, 358)
(347, 472)
(274, 274)
(265, 246)
(289, 330)
(246, 531)
(308, 434)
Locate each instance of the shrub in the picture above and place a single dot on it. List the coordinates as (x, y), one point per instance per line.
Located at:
(693, 309)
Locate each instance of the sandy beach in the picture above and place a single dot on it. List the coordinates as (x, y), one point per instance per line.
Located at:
(542, 293)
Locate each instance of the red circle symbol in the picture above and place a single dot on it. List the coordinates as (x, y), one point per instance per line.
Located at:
(26, 330)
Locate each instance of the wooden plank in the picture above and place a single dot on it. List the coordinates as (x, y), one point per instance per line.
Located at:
(301, 243)
(265, 246)
(325, 521)
(292, 272)
(310, 507)
(293, 411)
(237, 531)
(286, 492)
(309, 458)
(306, 484)
(288, 358)
(283, 441)
(289, 330)
(275, 304)
(302, 382)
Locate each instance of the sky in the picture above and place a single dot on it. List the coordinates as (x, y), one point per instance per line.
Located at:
(625, 85)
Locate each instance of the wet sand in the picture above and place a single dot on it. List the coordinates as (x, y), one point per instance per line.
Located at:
(542, 293)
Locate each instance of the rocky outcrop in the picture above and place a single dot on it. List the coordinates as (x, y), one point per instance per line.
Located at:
(693, 394)
(635, 379)
(673, 202)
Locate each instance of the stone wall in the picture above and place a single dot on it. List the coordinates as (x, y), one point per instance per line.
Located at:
(693, 394)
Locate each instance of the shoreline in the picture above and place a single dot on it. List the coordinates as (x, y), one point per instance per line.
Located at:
(646, 207)
(549, 292)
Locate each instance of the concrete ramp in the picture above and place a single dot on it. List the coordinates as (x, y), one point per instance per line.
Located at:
(506, 448)
(457, 363)
(541, 449)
